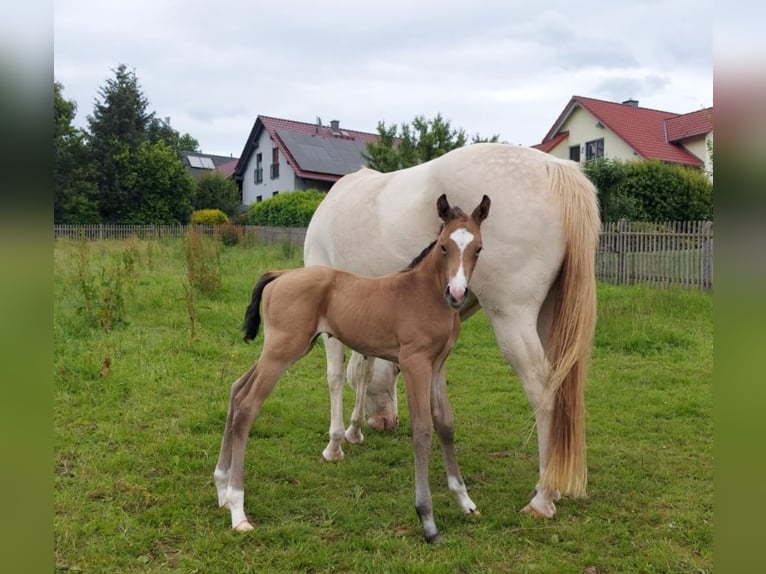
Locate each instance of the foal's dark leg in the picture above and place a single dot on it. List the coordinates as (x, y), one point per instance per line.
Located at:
(441, 411)
(417, 373)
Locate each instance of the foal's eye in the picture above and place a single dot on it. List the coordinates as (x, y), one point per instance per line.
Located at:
(443, 249)
(478, 250)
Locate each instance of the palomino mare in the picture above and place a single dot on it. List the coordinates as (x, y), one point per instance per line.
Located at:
(536, 283)
(410, 318)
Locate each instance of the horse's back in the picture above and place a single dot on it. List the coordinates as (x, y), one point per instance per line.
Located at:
(375, 223)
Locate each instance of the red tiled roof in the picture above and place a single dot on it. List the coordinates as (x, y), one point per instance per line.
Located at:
(643, 129)
(274, 124)
(227, 168)
(689, 125)
(548, 145)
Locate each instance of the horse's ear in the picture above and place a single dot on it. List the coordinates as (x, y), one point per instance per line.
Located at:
(482, 210)
(443, 208)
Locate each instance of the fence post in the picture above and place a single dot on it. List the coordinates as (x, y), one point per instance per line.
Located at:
(707, 255)
(622, 240)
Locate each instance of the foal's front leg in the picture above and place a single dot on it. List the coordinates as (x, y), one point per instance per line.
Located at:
(417, 373)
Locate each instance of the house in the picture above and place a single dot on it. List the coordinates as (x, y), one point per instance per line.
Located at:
(588, 129)
(298, 156)
(198, 163)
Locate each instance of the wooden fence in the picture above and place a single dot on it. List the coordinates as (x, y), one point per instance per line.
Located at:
(674, 253)
(294, 235)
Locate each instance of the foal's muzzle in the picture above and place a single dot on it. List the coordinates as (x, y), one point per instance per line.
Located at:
(455, 302)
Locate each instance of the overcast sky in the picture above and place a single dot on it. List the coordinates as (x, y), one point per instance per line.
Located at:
(489, 66)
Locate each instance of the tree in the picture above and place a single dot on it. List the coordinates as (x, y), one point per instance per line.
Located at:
(75, 193)
(216, 191)
(160, 130)
(415, 143)
(126, 143)
(118, 127)
(155, 185)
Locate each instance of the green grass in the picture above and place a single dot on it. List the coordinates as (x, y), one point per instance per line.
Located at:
(137, 437)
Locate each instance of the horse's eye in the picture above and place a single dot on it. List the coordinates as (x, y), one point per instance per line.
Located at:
(478, 250)
(443, 248)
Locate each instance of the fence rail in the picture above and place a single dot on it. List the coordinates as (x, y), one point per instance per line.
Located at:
(294, 235)
(671, 253)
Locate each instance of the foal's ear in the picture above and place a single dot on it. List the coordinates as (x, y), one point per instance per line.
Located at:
(443, 208)
(482, 210)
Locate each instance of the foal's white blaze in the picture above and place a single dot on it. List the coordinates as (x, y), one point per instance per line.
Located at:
(459, 284)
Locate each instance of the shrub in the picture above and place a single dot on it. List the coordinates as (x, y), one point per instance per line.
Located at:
(203, 265)
(292, 209)
(209, 217)
(650, 191)
(231, 234)
(215, 190)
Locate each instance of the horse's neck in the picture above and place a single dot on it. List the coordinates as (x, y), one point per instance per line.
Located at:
(429, 274)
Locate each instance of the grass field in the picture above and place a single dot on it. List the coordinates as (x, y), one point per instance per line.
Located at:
(139, 409)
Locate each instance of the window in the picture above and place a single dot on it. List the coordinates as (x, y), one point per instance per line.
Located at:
(258, 198)
(258, 168)
(275, 194)
(594, 149)
(574, 152)
(274, 173)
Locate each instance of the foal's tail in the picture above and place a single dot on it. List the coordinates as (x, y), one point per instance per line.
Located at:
(253, 313)
(572, 330)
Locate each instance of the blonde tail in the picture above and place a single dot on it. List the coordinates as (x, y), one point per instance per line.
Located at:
(572, 330)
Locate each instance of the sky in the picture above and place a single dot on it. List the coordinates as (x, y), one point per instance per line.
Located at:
(490, 67)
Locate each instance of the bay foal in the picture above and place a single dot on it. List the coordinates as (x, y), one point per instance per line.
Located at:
(411, 318)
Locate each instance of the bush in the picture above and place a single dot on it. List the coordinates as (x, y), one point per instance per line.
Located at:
(650, 191)
(292, 209)
(231, 234)
(216, 191)
(209, 217)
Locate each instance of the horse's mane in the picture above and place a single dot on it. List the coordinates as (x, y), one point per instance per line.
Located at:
(454, 212)
(421, 256)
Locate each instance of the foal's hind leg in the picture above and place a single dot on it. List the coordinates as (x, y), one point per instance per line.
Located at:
(441, 411)
(334, 351)
(223, 467)
(248, 394)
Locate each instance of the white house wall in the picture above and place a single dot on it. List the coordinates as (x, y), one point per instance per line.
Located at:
(701, 147)
(267, 187)
(582, 128)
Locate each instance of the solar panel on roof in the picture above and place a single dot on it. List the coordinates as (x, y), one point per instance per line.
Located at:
(195, 161)
(207, 163)
(337, 156)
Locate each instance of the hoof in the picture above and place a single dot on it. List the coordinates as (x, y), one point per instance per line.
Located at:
(382, 424)
(435, 539)
(354, 437)
(539, 512)
(244, 526)
(333, 456)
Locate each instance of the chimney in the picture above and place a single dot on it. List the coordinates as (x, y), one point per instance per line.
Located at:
(631, 102)
(335, 126)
